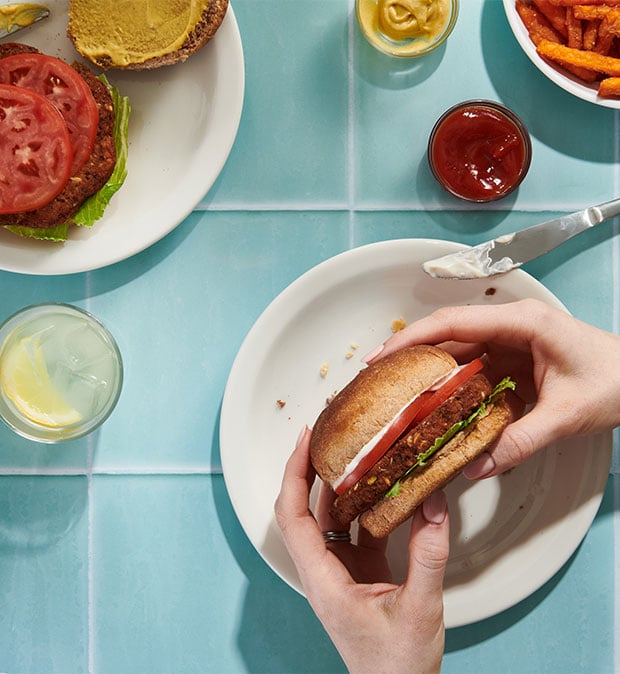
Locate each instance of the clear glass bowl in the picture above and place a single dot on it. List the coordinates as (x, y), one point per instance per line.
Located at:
(367, 13)
(477, 162)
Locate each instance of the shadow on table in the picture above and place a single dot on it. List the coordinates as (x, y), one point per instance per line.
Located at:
(278, 631)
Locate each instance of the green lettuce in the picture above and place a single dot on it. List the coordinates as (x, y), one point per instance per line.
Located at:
(92, 209)
(480, 411)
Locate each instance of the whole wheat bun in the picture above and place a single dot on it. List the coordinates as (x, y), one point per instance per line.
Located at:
(369, 402)
(202, 32)
(389, 513)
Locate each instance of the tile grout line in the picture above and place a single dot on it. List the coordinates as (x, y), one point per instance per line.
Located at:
(351, 125)
(90, 473)
(89, 555)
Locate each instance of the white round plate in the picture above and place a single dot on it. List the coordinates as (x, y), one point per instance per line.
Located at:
(561, 77)
(183, 123)
(510, 534)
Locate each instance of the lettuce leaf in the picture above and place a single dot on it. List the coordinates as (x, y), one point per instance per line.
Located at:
(423, 458)
(92, 209)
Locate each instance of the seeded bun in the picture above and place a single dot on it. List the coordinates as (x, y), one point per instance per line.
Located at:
(202, 32)
(368, 403)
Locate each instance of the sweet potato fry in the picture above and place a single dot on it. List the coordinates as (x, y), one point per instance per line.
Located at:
(568, 56)
(610, 86)
(593, 12)
(555, 15)
(572, 3)
(590, 34)
(574, 31)
(536, 24)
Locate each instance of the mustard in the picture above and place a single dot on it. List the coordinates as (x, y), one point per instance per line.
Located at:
(20, 15)
(133, 32)
(404, 27)
(402, 19)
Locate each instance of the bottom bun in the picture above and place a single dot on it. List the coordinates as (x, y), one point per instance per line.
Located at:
(390, 512)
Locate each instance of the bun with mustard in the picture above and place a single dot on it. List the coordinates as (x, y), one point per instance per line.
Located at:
(404, 427)
(142, 35)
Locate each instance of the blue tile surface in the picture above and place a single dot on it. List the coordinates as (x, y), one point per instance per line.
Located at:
(120, 553)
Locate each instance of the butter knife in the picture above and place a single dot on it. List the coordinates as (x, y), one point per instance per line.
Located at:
(20, 15)
(510, 251)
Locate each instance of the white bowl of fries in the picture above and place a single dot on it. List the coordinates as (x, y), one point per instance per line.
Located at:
(577, 46)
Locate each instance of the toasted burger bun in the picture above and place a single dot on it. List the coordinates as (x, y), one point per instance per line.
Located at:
(367, 404)
(96, 35)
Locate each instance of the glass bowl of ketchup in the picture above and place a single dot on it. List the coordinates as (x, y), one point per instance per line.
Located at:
(479, 151)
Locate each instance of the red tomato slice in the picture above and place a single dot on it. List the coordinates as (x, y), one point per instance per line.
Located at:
(65, 88)
(412, 415)
(35, 150)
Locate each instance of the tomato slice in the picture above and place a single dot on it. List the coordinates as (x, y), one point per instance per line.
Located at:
(65, 88)
(35, 150)
(412, 415)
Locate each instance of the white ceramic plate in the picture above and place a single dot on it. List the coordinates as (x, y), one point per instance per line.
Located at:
(509, 534)
(561, 77)
(183, 124)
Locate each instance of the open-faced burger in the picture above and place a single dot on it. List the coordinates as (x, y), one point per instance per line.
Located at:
(63, 143)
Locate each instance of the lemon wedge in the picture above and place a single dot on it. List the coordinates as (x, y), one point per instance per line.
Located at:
(26, 382)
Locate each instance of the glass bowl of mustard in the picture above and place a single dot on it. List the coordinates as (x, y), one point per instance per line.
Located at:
(406, 28)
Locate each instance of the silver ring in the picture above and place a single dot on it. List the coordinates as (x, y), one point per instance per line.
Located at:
(336, 536)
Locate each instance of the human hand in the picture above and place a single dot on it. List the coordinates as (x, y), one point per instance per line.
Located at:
(568, 369)
(375, 625)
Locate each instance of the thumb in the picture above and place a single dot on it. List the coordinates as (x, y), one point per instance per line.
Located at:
(518, 442)
(428, 554)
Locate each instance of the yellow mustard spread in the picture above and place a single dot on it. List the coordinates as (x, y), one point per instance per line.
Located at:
(403, 27)
(19, 15)
(401, 19)
(125, 31)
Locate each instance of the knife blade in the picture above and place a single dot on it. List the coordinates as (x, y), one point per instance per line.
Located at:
(510, 251)
(20, 15)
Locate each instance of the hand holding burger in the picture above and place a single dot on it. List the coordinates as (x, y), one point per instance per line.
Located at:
(567, 370)
(375, 625)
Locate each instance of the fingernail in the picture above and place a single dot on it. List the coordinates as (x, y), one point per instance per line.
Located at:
(300, 437)
(434, 508)
(479, 467)
(373, 354)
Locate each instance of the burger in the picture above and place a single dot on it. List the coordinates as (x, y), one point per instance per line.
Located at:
(63, 143)
(402, 428)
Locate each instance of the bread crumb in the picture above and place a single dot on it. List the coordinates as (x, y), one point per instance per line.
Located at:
(324, 370)
(398, 324)
(355, 346)
(348, 355)
(280, 403)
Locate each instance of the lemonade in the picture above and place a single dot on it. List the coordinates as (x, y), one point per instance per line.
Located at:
(60, 372)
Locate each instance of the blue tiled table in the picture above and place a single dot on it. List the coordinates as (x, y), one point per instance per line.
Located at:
(121, 553)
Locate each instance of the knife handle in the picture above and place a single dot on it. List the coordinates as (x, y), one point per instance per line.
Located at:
(609, 209)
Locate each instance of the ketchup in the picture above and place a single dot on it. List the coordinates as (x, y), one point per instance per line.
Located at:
(479, 151)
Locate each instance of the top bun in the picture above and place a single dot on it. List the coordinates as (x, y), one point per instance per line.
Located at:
(102, 33)
(369, 402)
